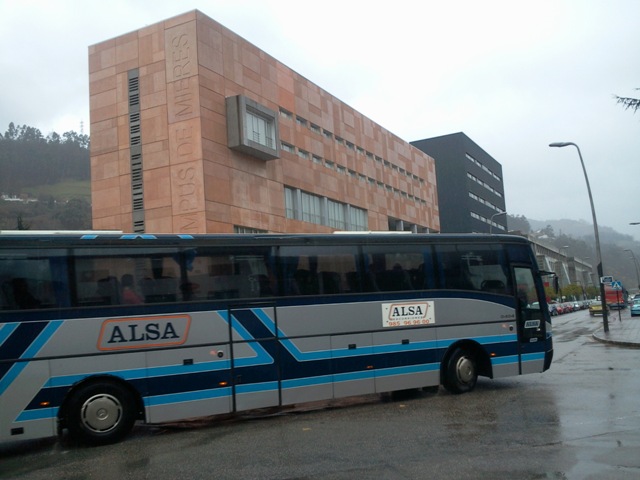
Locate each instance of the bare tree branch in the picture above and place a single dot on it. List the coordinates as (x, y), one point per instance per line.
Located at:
(628, 102)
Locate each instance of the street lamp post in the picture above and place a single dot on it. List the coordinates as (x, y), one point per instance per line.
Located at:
(635, 261)
(603, 300)
(491, 221)
(562, 263)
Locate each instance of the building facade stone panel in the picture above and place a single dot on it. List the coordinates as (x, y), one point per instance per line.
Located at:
(174, 78)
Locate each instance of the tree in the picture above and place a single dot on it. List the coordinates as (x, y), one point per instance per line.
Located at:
(519, 223)
(20, 224)
(75, 215)
(629, 103)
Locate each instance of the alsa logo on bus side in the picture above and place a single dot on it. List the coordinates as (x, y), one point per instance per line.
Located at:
(143, 332)
(407, 314)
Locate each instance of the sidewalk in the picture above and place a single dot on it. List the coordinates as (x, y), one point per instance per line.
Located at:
(624, 333)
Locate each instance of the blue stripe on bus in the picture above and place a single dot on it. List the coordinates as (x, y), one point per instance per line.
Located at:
(154, 401)
(141, 373)
(265, 319)
(378, 349)
(357, 375)
(261, 355)
(530, 357)
(6, 329)
(506, 360)
(257, 387)
(426, 367)
(40, 414)
(30, 352)
(307, 381)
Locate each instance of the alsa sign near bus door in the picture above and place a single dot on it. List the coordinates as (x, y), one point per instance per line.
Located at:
(407, 314)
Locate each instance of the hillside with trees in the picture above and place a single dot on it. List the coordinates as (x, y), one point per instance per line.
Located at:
(578, 237)
(44, 181)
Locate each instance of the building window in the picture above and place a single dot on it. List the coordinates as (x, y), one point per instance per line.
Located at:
(312, 208)
(358, 219)
(287, 148)
(260, 129)
(290, 202)
(336, 215)
(286, 113)
(252, 128)
(238, 229)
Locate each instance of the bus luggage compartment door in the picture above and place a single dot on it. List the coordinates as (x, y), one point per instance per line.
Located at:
(255, 373)
(353, 367)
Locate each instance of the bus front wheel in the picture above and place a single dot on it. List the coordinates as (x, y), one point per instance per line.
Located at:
(461, 373)
(101, 413)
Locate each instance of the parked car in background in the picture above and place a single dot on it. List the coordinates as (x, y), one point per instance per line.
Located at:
(595, 308)
(635, 307)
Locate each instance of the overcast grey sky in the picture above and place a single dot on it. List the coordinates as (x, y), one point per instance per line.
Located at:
(513, 75)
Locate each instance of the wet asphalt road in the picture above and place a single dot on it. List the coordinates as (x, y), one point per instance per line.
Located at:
(579, 420)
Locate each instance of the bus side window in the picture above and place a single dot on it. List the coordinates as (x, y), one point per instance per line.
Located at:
(453, 269)
(393, 268)
(29, 280)
(313, 270)
(21, 294)
(473, 267)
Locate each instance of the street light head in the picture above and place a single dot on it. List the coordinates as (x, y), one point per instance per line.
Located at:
(560, 144)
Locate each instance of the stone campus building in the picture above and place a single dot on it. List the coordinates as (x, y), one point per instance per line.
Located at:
(195, 130)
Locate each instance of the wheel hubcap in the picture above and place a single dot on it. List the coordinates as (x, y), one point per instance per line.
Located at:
(465, 370)
(101, 413)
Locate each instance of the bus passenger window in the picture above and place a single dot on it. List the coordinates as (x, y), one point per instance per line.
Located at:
(474, 267)
(31, 279)
(313, 270)
(22, 296)
(393, 268)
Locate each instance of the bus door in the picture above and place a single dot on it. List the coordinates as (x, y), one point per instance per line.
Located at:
(254, 367)
(531, 322)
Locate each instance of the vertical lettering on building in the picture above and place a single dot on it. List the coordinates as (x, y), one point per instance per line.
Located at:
(187, 189)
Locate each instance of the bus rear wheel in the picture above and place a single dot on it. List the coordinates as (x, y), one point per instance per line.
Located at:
(461, 373)
(101, 413)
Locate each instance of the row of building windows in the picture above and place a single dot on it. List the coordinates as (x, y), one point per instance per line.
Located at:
(318, 160)
(485, 185)
(349, 145)
(484, 202)
(483, 167)
(487, 221)
(312, 208)
(239, 229)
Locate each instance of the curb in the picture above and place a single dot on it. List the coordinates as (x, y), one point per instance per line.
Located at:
(600, 336)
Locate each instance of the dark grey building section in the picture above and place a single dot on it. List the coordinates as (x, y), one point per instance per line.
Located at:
(470, 185)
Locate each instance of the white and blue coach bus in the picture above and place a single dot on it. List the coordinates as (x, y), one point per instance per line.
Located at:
(98, 331)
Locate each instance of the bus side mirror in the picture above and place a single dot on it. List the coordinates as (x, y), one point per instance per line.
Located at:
(556, 284)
